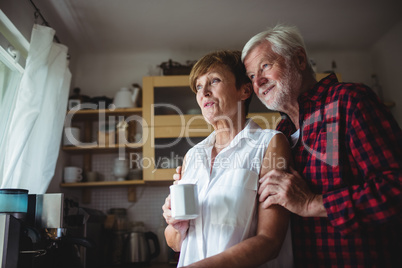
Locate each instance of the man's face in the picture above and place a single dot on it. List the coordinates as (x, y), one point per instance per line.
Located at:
(276, 80)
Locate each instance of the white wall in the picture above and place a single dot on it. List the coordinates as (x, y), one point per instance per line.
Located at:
(104, 74)
(353, 65)
(387, 62)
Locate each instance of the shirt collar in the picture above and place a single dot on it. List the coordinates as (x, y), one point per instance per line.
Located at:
(318, 91)
(247, 133)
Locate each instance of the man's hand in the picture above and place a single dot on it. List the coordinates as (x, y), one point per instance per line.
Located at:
(290, 191)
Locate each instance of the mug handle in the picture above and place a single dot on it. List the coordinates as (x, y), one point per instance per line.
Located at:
(79, 177)
(79, 170)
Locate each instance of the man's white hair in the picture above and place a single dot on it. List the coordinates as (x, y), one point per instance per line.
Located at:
(285, 40)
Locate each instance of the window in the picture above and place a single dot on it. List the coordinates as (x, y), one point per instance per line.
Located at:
(10, 69)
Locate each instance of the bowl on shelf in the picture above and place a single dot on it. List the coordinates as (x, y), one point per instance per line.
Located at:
(194, 111)
(135, 174)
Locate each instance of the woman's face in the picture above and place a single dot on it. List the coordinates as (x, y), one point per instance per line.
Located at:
(217, 95)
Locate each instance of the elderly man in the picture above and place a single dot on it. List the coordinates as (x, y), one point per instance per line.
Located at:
(346, 191)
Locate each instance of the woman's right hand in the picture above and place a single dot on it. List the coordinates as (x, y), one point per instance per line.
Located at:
(167, 209)
(176, 230)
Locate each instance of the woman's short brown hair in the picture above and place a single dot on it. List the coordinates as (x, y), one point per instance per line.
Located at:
(228, 58)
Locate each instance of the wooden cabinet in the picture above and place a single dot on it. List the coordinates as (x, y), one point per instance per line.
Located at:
(89, 145)
(166, 99)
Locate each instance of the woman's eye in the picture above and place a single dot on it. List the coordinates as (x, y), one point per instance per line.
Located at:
(251, 76)
(215, 80)
(198, 87)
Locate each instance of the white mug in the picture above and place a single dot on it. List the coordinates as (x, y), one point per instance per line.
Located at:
(71, 136)
(184, 201)
(72, 174)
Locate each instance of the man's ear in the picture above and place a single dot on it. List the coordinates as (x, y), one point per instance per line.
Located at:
(247, 90)
(301, 59)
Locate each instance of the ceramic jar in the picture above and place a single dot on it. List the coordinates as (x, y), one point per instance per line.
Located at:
(120, 169)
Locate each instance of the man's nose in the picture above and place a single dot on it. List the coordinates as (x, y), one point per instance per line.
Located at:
(259, 81)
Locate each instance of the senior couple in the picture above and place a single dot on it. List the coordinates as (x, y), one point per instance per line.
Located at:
(332, 194)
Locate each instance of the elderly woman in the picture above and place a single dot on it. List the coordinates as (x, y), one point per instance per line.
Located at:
(232, 230)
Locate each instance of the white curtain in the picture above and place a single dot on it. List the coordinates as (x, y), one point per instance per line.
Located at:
(34, 132)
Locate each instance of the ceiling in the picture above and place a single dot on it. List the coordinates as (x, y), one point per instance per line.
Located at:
(138, 25)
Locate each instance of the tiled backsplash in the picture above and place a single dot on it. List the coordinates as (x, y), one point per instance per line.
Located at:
(147, 208)
(103, 164)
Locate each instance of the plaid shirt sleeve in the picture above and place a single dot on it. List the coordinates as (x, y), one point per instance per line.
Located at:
(373, 142)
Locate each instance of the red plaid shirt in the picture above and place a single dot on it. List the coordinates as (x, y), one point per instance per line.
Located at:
(349, 150)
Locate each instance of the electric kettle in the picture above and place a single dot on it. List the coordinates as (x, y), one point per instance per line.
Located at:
(127, 98)
(137, 249)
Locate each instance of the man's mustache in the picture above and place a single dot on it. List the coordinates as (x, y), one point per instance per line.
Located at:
(264, 87)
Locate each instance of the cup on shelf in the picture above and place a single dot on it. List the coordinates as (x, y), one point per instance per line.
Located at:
(194, 111)
(72, 174)
(91, 176)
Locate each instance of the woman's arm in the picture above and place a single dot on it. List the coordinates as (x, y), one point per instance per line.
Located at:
(176, 230)
(272, 222)
(175, 234)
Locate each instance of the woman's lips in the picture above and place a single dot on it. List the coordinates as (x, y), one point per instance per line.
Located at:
(208, 104)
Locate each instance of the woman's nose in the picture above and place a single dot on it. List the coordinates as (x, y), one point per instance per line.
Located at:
(206, 91)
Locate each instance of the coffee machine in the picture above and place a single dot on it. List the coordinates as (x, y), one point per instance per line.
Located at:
(23, 232)
(41, 237)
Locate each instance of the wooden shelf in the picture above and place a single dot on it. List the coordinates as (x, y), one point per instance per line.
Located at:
(86, 188)
(389, 104)
(103, 183)
(91, 114)
(108, 111)
(102, 148)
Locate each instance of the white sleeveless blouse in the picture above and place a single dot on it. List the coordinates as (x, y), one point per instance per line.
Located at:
(227, 196)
